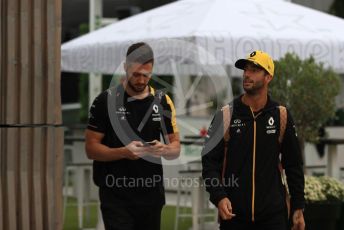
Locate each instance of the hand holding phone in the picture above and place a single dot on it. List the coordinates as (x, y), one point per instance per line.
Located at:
(149, 143)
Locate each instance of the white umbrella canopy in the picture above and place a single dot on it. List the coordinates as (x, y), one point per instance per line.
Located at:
(211, 32)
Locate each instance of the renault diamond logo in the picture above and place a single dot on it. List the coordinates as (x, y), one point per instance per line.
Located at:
(271, 121)
(155, 108)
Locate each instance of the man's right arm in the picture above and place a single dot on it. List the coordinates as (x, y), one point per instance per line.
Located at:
(99, 152)
(212, 160)
(98, 123)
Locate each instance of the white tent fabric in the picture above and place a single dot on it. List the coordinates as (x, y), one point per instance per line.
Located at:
(212, 32)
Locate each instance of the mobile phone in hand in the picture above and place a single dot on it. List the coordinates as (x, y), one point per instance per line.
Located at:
(149, 143)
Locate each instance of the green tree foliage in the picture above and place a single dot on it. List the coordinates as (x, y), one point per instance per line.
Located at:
(83, 97)
(83, 84)
(338, 119)
(308, 90)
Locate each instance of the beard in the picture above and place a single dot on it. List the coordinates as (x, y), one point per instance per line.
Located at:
(139, 88)
(254, 88)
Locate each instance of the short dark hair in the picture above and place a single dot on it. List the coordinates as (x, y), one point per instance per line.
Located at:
(141, 53)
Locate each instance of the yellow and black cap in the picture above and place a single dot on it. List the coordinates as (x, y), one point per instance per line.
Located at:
(258, 58)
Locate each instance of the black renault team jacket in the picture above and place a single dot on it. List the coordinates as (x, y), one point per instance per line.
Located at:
(252, 180)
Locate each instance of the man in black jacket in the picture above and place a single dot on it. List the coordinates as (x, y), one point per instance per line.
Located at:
(247, 188)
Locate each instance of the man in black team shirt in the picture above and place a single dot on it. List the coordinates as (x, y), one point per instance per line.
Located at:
(123, 140)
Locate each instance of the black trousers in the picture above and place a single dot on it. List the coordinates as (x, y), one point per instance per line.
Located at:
(119, 216)
(277, 222)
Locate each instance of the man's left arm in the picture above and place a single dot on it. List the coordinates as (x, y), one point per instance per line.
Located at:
(293, 164)
(171, 149)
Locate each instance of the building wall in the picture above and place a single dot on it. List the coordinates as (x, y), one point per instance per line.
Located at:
(31, 138)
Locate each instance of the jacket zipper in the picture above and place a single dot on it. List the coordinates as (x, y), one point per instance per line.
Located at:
(254, 161)
(253, 168)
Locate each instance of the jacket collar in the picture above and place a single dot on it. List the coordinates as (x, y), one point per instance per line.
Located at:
(121, 91)
(244, 109)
